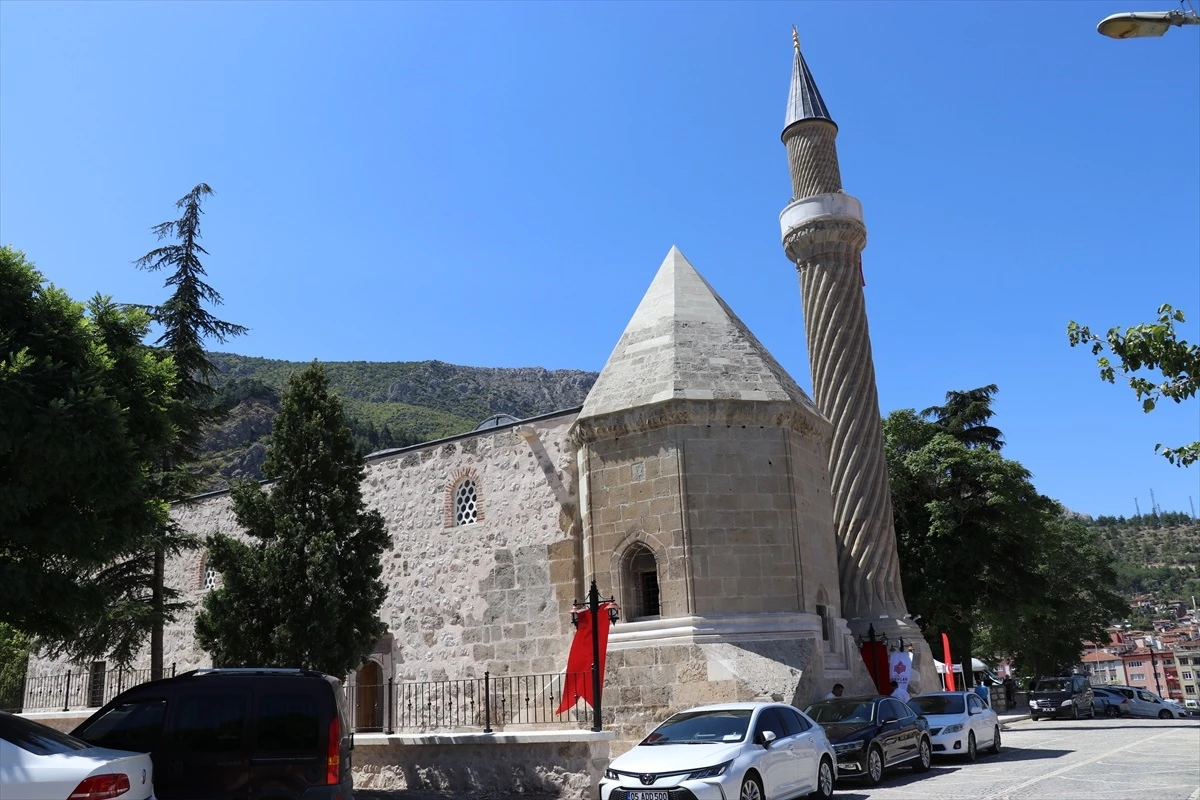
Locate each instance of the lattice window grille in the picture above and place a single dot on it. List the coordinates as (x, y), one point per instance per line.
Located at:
(465, 503)
(210, 577)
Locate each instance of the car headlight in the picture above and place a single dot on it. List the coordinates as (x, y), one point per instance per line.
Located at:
(1065, 703)
(1033, 703)
(612, 776)
(848, 747)
(953, 728)
(709, 772)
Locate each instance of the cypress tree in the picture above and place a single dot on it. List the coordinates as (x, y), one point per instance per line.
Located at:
(304, 588)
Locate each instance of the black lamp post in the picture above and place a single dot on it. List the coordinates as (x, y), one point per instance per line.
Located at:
(593, 605)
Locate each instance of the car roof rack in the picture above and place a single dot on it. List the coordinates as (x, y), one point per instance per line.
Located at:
(252, 671)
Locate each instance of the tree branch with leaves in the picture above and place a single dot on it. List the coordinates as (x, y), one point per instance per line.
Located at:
(1149, 347)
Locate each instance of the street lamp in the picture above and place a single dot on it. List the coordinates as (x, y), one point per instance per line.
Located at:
(593, 605)
(1145, 23)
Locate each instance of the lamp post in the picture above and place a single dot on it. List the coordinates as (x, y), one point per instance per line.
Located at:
(593, 604)
(1154, 669)
(1145, 23)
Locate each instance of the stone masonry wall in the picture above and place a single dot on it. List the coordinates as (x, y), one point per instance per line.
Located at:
(493, 595)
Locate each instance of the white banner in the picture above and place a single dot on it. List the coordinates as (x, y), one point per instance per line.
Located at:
(899, 667)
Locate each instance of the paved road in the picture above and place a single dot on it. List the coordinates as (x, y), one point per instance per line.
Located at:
(1062, 760)
(1046, 760)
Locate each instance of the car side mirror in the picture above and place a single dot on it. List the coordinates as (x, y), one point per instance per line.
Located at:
(767, 737)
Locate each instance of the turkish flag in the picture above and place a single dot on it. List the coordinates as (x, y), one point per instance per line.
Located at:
(875, 656)
(578, 681)
(949, 663)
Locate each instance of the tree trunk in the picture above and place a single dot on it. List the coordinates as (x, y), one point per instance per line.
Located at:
(156, 601)
(964, 654)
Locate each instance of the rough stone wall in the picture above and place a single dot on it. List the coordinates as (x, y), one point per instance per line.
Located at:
(493, 595)
(566, 770)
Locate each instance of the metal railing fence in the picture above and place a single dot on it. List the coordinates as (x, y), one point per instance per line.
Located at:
(70, 691)
(485, 704)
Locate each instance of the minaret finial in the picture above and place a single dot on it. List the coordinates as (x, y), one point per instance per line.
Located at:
(795, 38)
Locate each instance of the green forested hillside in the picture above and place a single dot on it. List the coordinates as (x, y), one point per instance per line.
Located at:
(1154, 553)
(389, 404)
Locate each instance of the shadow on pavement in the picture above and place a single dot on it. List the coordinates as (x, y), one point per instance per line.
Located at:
(425, 794)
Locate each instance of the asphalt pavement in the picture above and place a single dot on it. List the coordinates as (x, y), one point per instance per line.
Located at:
(1100, 759)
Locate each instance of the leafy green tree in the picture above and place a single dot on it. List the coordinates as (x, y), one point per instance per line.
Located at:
(1151, 347)
(84, 413)
(186, 325)
(1044, 631)
(14, 659)
(305, 589)
(967, 520)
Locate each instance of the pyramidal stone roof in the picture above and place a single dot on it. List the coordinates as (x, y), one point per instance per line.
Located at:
(804, 99)
(685, 343)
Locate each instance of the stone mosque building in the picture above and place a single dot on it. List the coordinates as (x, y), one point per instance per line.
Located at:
(744, 528)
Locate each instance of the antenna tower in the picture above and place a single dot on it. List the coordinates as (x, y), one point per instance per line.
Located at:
(1137, 507)
(1153, 504)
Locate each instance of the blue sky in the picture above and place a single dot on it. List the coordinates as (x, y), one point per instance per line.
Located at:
(495, 184)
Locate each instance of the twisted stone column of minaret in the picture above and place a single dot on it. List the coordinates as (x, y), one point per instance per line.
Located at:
(828, 256)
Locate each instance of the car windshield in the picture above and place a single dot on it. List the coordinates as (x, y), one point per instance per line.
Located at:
(828, 711)
(37, 738)
(702, 727)
(938, 704)
(1053, 685)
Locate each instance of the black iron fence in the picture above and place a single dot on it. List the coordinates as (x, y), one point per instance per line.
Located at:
(485, 704)
(71, 691)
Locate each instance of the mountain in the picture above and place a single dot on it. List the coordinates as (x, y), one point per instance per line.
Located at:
(388, 404)
(1153, 553)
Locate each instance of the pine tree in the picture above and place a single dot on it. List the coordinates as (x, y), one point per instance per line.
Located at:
(84, 417)
(305, 590)
(186, 325)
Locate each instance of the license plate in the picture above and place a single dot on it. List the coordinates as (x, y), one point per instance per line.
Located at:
(648, 794)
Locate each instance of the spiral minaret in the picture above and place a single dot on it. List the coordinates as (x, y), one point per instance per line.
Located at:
(824, 236)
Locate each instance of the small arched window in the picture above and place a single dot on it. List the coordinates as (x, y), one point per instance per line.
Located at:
(466, 503)
(641, 575)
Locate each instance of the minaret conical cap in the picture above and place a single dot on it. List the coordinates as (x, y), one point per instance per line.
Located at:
(804, 99)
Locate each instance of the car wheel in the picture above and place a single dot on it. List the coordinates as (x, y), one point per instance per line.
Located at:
(751, 789)
(1164, 714)
(824, 781)
(924, 756)
(972, 750)
(996, 741)
(1111, 711)
(1034, 717)
(874, 765)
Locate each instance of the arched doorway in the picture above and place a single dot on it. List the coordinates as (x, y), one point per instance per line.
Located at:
(368, 712)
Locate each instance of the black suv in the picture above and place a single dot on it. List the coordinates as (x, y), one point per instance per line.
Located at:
(1069, 696)
(274, 734)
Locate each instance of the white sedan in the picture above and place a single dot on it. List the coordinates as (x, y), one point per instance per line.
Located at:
(959, 723)
(749, 751)
(40, 763)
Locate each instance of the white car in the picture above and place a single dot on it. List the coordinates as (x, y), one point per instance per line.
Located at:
(748, 751)
(40, 763)
(959, 723)
(1147, 704)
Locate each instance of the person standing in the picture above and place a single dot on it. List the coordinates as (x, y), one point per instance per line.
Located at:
(836, 692)
(899, 692)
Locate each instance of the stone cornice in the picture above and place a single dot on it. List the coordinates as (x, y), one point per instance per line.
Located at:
(746, 413)
(825, 235)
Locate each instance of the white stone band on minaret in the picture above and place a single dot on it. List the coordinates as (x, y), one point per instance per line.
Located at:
(820, 206)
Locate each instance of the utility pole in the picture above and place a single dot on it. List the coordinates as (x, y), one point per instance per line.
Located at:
(1153, 504)
(1193, 505)
(1136, 507)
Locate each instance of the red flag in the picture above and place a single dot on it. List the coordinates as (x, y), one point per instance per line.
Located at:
(949, 663)
(875, 656)
(578, 681)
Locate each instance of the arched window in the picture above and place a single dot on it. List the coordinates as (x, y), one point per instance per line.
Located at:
(465, 503)
(641, 576)
(210, 575)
